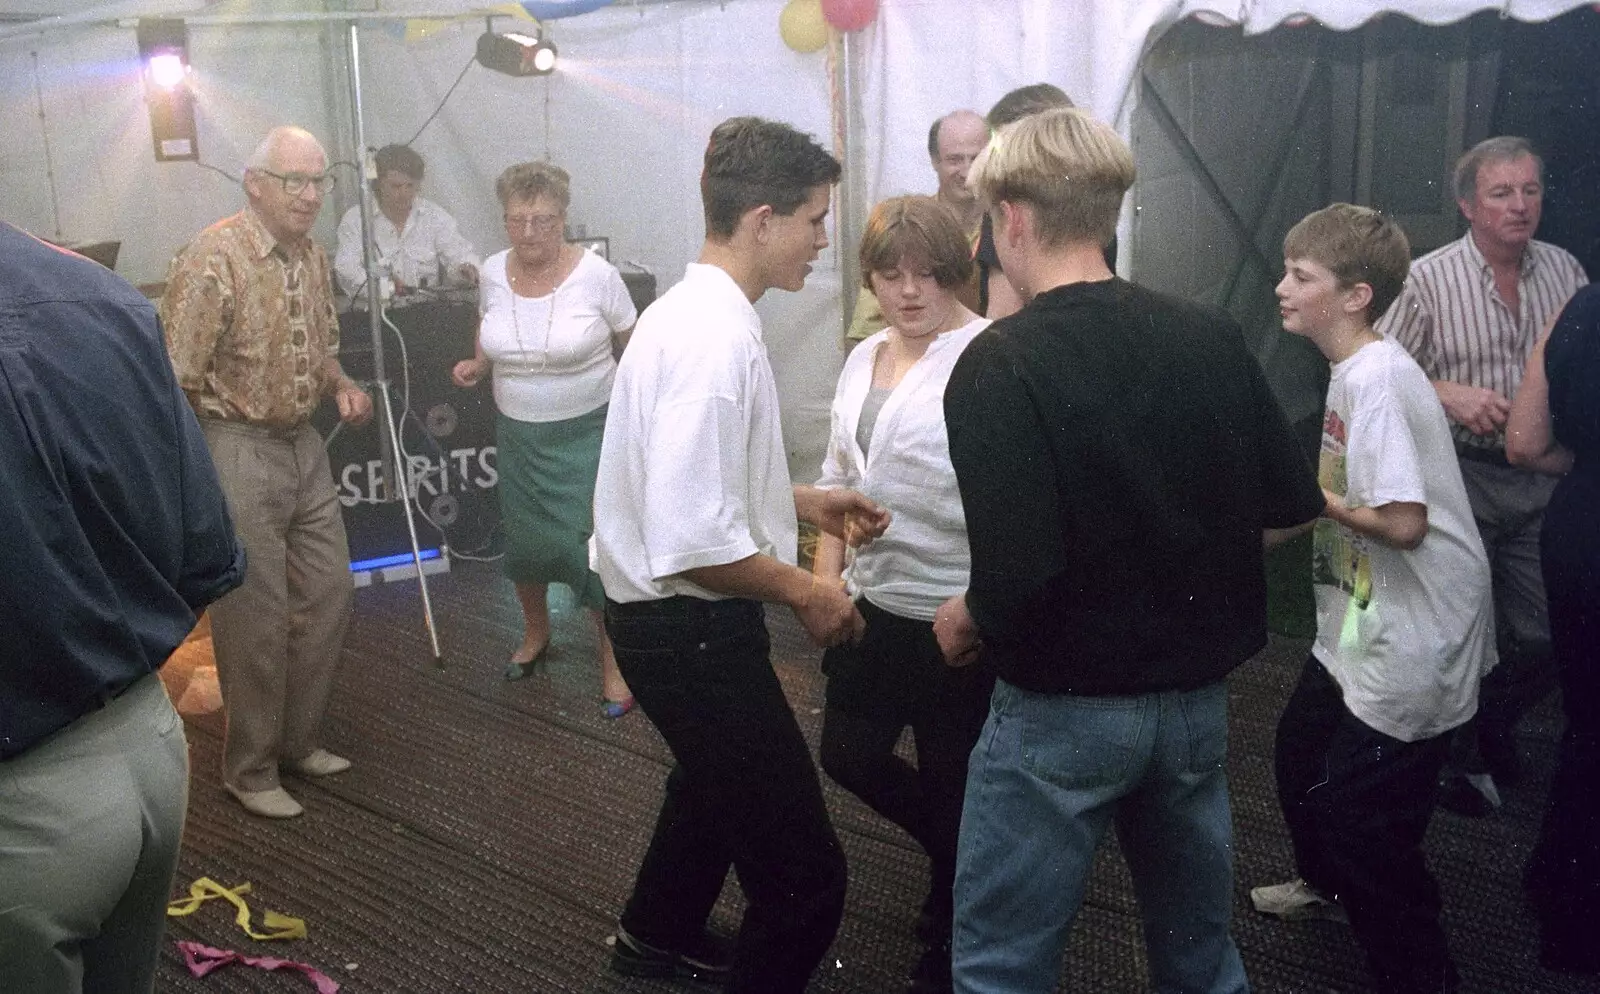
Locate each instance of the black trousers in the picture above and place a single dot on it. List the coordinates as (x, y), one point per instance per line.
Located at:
(1357, 803)
(894, 678)
(744, 792)
(1564, 874)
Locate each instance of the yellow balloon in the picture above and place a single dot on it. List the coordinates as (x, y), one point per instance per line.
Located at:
(802, 25)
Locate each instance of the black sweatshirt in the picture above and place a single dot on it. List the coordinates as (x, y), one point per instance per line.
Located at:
(1119, 453)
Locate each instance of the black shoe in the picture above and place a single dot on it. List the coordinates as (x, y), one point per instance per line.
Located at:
(1499, 754)
(709, 961)
(932, 975)
(1569, 956)
(1458, 796)
(934, 920)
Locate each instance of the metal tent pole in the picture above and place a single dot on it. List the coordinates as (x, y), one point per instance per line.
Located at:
(396, 476)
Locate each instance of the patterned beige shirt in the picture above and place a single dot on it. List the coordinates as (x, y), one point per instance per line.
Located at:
(1455, 324)
(250, 324)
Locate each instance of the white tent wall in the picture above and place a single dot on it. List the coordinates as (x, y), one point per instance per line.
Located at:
(637, 92)
(639, 86)
(107, 184)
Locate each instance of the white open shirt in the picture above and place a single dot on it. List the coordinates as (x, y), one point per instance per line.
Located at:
(922, 560)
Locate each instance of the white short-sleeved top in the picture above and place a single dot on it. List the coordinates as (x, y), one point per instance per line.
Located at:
(1405, 633)
(552, 354)
(693, 470)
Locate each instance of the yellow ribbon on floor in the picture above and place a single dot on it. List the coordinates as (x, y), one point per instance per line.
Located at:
(275, 926)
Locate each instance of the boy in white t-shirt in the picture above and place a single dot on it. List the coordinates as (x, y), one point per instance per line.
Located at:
(1404, 627)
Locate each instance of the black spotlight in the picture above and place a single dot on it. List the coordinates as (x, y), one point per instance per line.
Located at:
(517, 54)
(164, 50)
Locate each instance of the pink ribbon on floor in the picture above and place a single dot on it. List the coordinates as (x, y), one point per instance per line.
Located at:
(202, 959)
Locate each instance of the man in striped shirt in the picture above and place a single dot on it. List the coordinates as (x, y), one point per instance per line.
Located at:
(1470, 314)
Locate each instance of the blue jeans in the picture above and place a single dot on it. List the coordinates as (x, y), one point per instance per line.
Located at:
(1048, 776)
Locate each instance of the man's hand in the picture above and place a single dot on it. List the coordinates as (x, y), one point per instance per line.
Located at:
(845, 514)
(355, 406)
(829, 615)
(957, 634)
(468, 372)
(1478, 409)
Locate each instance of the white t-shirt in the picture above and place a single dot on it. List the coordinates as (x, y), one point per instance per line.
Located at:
(413, 256)
(1406, 634)
(552, 354)
(693, 470)
(923, 559)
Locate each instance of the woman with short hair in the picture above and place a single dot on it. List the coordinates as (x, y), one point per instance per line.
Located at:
(888, 441)
(553, 317)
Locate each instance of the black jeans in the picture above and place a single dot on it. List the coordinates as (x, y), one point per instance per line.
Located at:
(1357, 803)
(892, 678)
(743, 793)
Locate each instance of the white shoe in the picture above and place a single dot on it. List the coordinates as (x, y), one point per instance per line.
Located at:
(319, 763)
(1296, 901)
(274, 803)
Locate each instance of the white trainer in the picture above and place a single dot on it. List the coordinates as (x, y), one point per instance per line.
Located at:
(274, 803)
(1296, 901)
(320, 763)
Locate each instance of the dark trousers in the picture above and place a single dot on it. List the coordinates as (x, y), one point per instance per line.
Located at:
(1508, 505)
(1357, 803)
(743, 793)
(1564, 874)
(894, 678)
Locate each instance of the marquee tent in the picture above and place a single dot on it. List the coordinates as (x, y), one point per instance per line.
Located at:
(638, 87)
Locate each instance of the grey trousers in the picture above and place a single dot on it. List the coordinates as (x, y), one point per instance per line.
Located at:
(278, 637)
(1508, 505)
(90, 821)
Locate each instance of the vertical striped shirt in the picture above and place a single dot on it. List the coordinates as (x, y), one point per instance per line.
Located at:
(1454, 323)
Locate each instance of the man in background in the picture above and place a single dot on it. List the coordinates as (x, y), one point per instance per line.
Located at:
(118, 537)
(415, 241)
(1470, 315)
(954, 141)
(998, 297)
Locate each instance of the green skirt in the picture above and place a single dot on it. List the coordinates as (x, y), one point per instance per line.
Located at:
(547, 471)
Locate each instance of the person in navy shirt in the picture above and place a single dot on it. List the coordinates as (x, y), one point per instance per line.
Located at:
(118, 536)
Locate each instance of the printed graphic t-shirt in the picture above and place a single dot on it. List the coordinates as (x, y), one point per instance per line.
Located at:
(1405, 633)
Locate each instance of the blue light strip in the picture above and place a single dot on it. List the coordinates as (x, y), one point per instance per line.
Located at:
(384, 562)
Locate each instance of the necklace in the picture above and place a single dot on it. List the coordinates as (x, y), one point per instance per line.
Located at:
(516, 321)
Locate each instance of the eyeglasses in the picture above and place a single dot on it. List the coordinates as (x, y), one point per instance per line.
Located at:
(516, 223)
(295, 183)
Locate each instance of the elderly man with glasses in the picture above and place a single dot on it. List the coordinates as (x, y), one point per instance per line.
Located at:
(250, 326)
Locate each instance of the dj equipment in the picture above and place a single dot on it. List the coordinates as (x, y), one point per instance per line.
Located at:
(447, 432)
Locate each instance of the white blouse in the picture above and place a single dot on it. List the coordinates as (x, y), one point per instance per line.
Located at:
(923, 559)
(552, 354)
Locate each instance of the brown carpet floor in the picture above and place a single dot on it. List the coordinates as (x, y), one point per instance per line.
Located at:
(488, 834)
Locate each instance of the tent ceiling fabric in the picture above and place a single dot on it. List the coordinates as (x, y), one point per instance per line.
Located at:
(640, 85)
(1259, 16)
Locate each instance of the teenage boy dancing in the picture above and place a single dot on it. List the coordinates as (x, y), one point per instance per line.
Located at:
(1403, 614)
(1119, 456)
(695, 526)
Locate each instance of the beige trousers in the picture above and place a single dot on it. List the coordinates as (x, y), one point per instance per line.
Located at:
(278, 637)
(90, 821)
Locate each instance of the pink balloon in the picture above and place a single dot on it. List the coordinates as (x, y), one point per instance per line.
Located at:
(849, 15)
